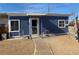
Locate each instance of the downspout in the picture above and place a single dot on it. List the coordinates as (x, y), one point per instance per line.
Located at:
(48, 8)
(41, 27)
(30, 31)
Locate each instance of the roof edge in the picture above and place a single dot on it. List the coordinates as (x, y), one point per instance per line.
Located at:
(36, 14)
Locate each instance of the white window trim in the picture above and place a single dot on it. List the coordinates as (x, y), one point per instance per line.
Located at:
(61, 20)
(10, 25)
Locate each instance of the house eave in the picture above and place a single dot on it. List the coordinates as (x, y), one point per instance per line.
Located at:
(56, 14)
(35, 14)
(3, 16)
(16, 14)
(48, 14)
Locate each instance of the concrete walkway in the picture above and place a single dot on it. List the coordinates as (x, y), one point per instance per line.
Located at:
(42, 47)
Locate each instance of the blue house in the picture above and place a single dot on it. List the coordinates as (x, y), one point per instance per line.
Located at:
(23, 24)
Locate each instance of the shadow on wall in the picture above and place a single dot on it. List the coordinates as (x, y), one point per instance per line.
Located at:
(49, 27)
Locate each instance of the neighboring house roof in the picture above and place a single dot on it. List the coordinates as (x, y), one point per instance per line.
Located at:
(3, 16)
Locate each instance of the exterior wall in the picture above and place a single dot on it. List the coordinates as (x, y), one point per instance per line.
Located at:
(46, 23)
(50, 24)
(4, 21)
(24, 25)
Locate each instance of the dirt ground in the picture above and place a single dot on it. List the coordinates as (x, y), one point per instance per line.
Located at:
(57, 45)
(42, 47)
(64, 45)
(16, 47)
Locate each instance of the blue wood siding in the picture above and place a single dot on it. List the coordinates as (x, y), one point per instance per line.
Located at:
(13, 34)
(46, 23)
(24, 25)
(50, 24)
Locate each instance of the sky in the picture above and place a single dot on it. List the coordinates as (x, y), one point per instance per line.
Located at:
(66, 8)
(39, 7)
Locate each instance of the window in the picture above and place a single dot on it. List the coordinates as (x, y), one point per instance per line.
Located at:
(61, 23)
(14, 25)
(67, 23)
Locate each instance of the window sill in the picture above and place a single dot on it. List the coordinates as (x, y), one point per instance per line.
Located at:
(14, 31)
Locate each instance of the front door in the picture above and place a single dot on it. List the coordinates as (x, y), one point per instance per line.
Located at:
(34, 27)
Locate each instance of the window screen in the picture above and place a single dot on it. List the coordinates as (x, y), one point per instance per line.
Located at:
(61, 23)
(14, 25)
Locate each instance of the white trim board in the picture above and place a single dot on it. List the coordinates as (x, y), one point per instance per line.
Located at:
(30, 25)
(10, 25)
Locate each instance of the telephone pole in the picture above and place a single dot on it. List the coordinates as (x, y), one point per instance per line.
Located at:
(48, 8)
(76, 22)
